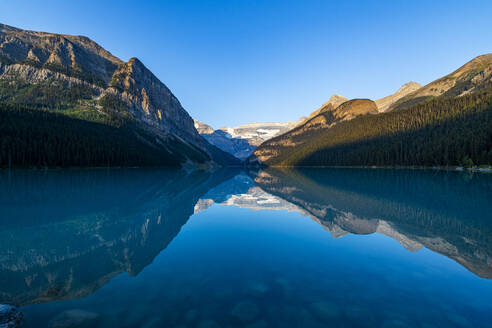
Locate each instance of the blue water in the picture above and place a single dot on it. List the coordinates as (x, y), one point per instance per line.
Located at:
(305, 248)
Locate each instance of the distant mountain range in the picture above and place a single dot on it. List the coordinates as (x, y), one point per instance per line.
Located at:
(444, 123)
(242, 140)
(74, 77)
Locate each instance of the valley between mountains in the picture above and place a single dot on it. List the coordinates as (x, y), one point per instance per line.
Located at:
(65, 101)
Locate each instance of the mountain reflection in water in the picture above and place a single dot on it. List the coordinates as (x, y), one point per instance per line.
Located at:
(64, 234)
(446, 212)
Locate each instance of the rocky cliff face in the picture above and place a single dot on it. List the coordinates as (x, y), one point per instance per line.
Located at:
(151, 101)
(92, 80)
(406, 89)
(77, 55)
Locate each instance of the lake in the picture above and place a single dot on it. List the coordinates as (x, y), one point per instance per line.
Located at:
(273, 248)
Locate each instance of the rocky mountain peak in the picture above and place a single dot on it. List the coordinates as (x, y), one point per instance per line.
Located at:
(151, 101)
(80, 58)
(332, 103)
(345, 111)
(203, 128)
(74, 55)
(406, 89)
(335, 100)
(410, 84)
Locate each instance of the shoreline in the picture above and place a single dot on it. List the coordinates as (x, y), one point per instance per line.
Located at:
(444, 168)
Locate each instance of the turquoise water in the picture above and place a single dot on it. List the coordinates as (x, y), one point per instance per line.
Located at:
(305, 248)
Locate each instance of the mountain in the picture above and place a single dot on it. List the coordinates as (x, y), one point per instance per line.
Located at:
(474, 76)
(257, 133)
(445, 123)
(242, 140)
(332, 103)
(203, 128)
(274, 151)
(386, 102)
(75, 77)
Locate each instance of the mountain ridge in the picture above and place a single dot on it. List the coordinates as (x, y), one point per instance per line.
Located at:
(77, 77)
(326, 118)
(473, 76)
(443, 123)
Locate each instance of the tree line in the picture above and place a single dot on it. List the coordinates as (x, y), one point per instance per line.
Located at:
(41, 138)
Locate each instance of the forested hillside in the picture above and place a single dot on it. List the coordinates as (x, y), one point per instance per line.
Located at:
(444, 131)
(474, 76)
(43, 138)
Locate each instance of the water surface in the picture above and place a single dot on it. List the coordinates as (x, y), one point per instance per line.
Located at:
(305, 248)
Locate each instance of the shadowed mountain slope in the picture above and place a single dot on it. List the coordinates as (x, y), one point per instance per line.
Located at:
(275, 150)
(445, 131)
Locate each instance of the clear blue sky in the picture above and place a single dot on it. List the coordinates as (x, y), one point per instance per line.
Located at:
(232, 62)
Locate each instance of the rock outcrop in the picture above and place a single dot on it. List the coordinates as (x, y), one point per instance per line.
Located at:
(10, 316)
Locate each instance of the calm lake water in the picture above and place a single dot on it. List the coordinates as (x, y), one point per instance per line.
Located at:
(305, 248)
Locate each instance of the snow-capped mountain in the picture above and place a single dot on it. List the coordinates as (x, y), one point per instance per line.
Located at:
(242, 140)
